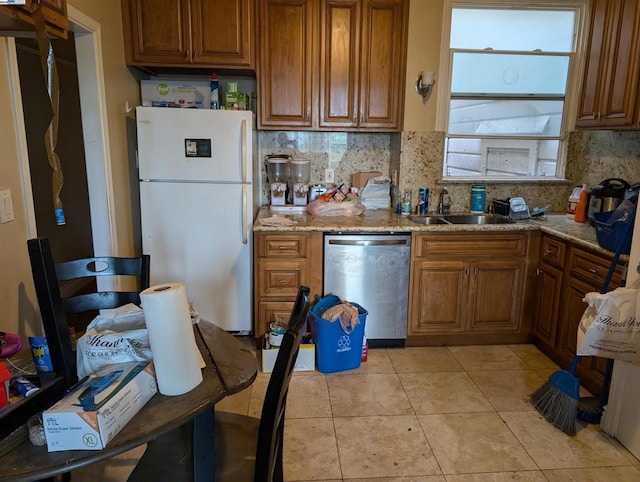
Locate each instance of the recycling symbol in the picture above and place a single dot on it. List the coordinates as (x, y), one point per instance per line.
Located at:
(344, 343)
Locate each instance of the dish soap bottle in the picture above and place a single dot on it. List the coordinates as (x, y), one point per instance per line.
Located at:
(214, 91)
(581, 206)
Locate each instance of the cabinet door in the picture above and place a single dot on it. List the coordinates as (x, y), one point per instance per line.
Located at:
(621, 89)
(222, 32)
(548, 303)
(610, 82)
(439, 301)
(382, 70)
(287, 63)
(156, 31)
(592, 82)
(572, 309)
(339, 62)
(497, 298)
(590, 370)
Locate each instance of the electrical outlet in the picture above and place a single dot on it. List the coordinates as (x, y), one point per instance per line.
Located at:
(328, 175)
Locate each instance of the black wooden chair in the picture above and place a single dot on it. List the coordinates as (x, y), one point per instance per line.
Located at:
(54, 309)
(246, 448)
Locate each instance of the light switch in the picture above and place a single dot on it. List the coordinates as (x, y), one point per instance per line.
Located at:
(6, 206)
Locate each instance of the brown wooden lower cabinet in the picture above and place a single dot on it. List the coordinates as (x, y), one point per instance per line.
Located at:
(468, 288)
(282, 262)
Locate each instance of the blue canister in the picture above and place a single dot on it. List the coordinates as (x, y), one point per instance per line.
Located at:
(478, 197)
(423, 200)
(40, 354)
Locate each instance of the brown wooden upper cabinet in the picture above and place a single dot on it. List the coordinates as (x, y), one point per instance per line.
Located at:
(189, 33)
(610, 84)
(332, 64)
(17, 21)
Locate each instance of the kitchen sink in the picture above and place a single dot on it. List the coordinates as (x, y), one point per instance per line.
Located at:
(462, 219)
(478, 219)
(428, 219)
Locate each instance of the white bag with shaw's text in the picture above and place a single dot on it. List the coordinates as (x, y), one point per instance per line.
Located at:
(610, 326)
(115, 336)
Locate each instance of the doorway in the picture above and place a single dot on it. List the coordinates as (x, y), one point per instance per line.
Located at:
(74, 239)
(88, 43)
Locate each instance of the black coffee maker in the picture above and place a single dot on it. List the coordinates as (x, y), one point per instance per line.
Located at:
(606, 196)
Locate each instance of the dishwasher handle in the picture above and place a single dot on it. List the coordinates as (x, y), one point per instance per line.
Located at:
(369, 242)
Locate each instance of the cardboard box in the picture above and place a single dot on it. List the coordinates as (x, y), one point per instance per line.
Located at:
(235, 101)
(175, 93)
(306, 361)
(359, 179)
(93, 413)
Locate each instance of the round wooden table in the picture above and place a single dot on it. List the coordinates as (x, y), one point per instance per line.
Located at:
(230, 368)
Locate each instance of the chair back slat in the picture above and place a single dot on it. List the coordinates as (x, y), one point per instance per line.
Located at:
(104, 300)
(268, 465)
(100, 266)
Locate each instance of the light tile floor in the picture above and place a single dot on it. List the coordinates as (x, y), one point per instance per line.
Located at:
(457, 414)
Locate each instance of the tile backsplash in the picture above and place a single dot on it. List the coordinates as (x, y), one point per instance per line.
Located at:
(417, 156)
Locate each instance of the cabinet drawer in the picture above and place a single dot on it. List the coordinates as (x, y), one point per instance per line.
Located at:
(593, 268)
(270, 311)
(283, 246)
(281, 278)
(553, 251)
(476, 245)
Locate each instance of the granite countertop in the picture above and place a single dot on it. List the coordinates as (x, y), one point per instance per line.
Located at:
(386, 221)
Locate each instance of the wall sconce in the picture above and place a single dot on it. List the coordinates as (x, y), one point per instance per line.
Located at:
(424, 84)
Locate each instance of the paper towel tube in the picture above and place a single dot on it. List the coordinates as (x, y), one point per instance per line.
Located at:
(175, 353)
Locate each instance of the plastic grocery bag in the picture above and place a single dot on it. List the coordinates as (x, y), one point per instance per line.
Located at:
(114, 336)
(610, 326)
(350, 206)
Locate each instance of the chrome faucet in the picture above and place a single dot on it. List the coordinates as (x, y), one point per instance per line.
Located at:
(444, 202)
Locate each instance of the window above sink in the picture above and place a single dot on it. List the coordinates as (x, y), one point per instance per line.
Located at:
(508, 72)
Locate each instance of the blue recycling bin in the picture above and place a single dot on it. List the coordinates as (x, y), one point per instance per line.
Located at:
(336, 349)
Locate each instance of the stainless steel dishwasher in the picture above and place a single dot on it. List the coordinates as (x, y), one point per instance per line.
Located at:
(373, 271)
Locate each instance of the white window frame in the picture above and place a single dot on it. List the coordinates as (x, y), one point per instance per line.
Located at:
(572, 96)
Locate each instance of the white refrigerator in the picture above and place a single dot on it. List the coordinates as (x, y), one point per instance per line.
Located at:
(199, 194)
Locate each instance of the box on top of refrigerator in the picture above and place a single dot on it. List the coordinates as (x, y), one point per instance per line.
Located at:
(92, 414)
(176, 93)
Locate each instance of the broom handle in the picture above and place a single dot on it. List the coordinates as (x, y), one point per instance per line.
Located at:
(574, 364)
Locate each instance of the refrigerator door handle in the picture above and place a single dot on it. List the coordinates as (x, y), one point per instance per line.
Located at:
(243, 150)
(245, 215)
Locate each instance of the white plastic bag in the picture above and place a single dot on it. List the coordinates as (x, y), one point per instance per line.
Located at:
(610, 326)
(115, 336)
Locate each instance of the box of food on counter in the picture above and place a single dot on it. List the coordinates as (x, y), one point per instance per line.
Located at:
(89, 416)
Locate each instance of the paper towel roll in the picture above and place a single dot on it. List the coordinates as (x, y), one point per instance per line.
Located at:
(175, 353)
